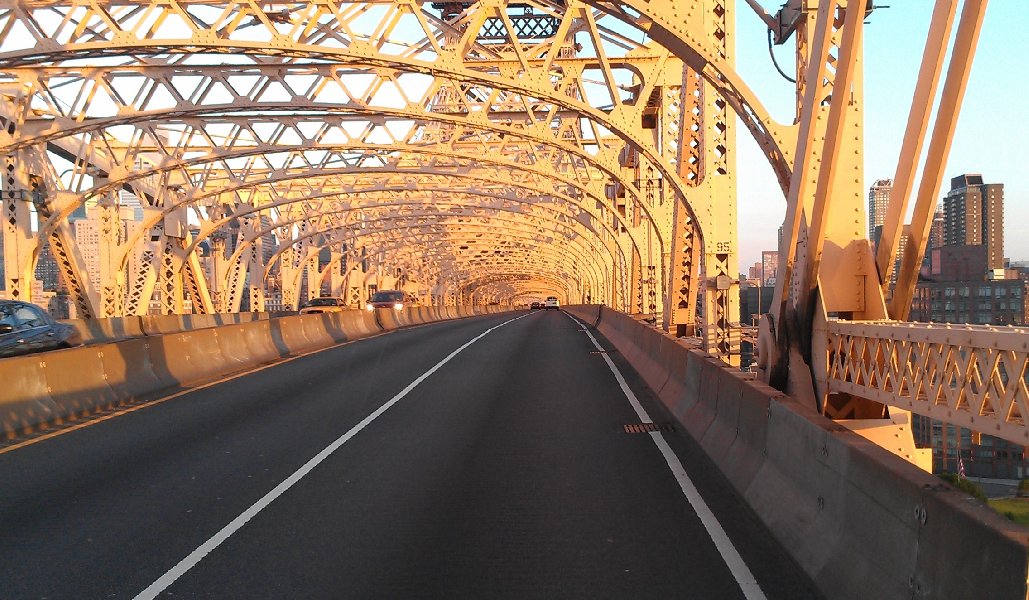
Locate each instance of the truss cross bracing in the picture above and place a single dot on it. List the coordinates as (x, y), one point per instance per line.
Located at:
(213, 156)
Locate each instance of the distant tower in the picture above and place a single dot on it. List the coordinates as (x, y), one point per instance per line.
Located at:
(878, 200)
(973, 215)
(936, 233)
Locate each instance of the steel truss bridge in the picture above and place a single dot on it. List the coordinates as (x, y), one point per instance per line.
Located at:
(492, 152)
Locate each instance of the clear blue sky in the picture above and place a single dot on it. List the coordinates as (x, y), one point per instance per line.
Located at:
(991, 136)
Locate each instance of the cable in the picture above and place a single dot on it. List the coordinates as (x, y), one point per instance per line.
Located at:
(776, 63)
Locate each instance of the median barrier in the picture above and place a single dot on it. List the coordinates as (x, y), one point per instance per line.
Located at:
(387, 319)
(191, 357)
(860, 521)
(295, 335)
(238, 349)
(260, 338)
(24, 398)
(317, 329)
(359, 323)
(76, 383)
(162, 324)
(95, 331)
(42, 389)
(334, 326)
(130, 370)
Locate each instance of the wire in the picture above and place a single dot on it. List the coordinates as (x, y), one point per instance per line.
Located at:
(775, 62)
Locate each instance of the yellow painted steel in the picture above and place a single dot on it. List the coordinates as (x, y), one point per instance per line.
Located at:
(487, 152)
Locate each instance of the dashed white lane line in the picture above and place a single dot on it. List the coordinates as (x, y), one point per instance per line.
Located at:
(748, 584)
(236, 524)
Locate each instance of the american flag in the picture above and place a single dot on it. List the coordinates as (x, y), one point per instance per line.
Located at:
(961, 468)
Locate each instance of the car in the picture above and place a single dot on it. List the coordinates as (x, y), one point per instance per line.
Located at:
(26, 328)
(322, 305)
(551, 303)
(536, 306)
(394, 299)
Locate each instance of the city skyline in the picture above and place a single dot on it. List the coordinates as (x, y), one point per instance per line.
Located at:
(894, 41)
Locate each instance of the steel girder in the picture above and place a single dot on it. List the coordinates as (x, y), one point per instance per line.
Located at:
(523, 60)
(523, 245)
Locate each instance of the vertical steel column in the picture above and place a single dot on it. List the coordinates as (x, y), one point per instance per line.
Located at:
(314, 275)
(19, 242)
(219, 271)
(336, 273)
(169, 279)
(708, 164)
(636, 284)
(255, 268)
(111, 275)
(686, 240)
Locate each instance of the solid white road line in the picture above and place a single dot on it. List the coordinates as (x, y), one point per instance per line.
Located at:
(733, 560)
(236, 524)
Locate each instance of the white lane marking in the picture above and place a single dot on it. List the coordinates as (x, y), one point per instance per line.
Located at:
(236, 524)
(748, 584)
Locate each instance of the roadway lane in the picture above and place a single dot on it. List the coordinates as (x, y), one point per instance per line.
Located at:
(505, 473)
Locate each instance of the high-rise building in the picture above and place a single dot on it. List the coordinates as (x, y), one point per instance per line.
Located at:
(936, 232)
(878, 200)
(87, 238)
(46, 267)
(769, 267)
(973, 215)
(128, 200)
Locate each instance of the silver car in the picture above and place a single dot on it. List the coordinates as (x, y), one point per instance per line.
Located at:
(26, 328)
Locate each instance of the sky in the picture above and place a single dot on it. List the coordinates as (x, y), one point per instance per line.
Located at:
(991, 137)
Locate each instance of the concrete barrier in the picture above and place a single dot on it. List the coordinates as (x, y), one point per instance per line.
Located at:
(590, 313)
(76, 383)
(95, 331)
(42, 389)
(113, 329)
(191, 357)
(359, 323)
(130, 369)
(24, 398)
(295, 335)
(387, 318)
(860, 521)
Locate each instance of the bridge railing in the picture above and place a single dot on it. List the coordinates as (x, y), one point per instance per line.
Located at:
(973, 376)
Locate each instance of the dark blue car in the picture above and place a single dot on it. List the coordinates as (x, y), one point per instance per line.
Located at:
(26, 328)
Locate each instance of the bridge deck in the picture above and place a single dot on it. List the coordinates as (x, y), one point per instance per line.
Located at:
(508, 472)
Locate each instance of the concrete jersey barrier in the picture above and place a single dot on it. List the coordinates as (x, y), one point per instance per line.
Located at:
(52, 387)
(861, 522)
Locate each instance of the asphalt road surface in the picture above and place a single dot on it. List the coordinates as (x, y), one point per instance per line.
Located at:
(479, 458)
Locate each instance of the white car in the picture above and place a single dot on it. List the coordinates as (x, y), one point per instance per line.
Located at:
(551, 303)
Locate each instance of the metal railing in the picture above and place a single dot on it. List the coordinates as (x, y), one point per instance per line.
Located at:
(974, 376)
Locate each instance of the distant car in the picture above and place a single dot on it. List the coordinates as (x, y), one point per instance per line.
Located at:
(322, 305)
(551, 303)
(394, 299)
(26, 328)
(535, 306)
